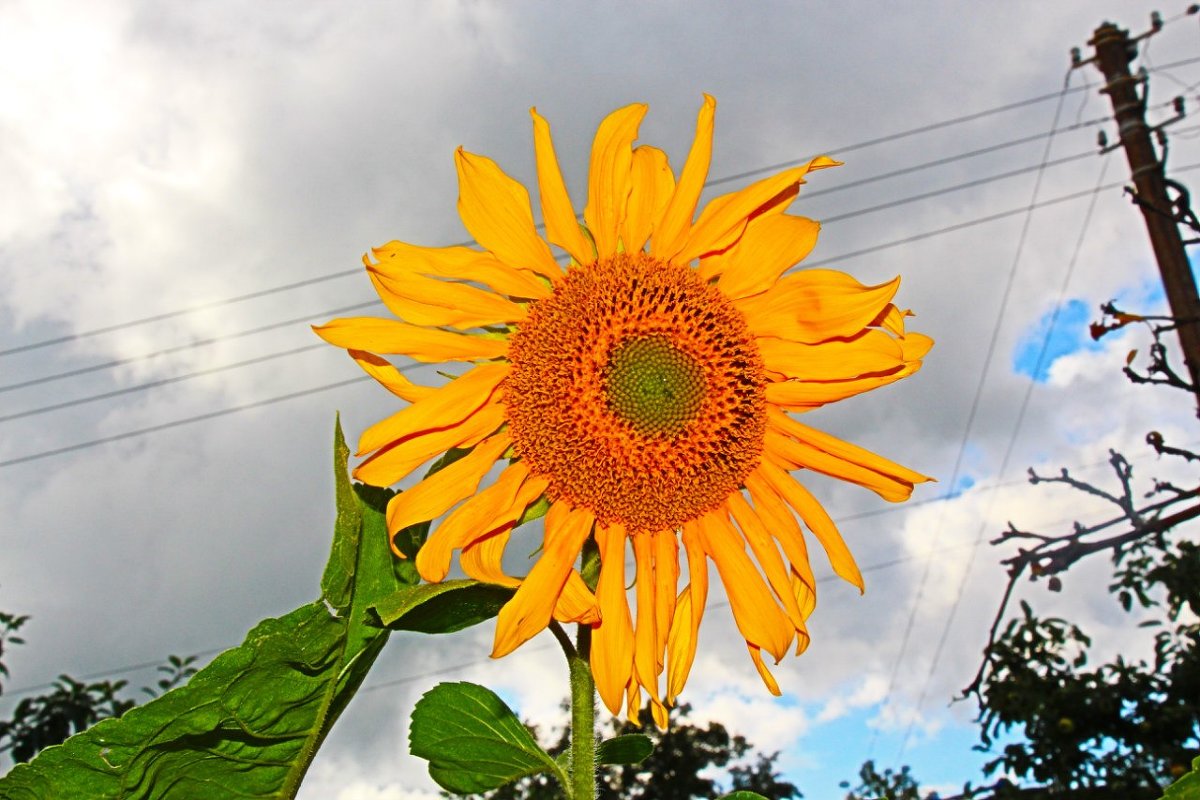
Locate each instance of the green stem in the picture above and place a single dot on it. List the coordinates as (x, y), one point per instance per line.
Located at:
(583, 719)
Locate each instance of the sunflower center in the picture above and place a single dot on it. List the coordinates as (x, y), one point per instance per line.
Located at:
(653, 385)
(638, 391)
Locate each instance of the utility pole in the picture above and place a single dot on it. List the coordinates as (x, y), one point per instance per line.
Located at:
(1113, 52)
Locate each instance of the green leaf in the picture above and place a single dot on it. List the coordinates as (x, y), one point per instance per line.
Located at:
(1187, 787)
(338, 580)
(742, 794)
(442, 607)
(250, 723)
(632, 748)
(473, 741)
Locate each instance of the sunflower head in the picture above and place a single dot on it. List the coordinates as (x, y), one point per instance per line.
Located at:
(645, 392)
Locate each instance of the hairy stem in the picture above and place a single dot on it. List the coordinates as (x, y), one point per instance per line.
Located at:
(583, 719)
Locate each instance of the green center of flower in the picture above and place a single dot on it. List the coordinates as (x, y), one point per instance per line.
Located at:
(654, 386)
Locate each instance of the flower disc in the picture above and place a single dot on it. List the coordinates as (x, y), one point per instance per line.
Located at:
(637, 390)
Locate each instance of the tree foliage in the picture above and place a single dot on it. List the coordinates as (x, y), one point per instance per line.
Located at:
(72, 705)
(1128, 725)
(683, 755)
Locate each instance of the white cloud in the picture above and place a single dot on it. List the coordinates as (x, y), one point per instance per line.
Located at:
(157, 158)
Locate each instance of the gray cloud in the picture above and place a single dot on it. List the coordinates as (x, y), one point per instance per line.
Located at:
(163, 158)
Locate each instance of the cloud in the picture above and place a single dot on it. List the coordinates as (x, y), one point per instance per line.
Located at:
(157, 159)
(1059, 332)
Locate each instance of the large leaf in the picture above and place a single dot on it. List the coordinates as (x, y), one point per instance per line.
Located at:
(442, 607)
(1187, 787)
(473, 741)
(632, 748)
(248, 724)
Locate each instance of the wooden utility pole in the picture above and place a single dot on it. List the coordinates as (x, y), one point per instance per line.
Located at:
(1114, 50)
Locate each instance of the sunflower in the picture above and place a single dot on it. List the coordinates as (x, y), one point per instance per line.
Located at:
(646, 392)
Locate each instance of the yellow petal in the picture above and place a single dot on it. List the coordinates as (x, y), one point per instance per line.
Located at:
(791, 455)
(612, 639)
(659, 712)
(756, 613)
(806, 395)
(393, 463)
(633, 708)
(399, 338)
(724, 218)
(562, 227)
(891, 319)
(483, 559)
(689, 609)
(771, 244)
(666, 576)
(871, 352)
(397, 260)
(474, 519)
(849, 453)
(777, 516)
(389, 377)
(652, 185)
(576, 603)
(608, 176)
(817, 520)
(430, 302)
(443, 408)
(915, 346)
(671, 234)
(767, 556)
(444, 489)
(763, 672)
(815, 304)
(530, 609)
(495, 210)
(807, 601)
(645, 659)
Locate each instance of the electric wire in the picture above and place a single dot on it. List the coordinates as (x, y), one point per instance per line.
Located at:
(345, 273)
(1007, 457)
(24, 348)
(370, 303)
(222, 412)
(299, 350)
(833, 260)
(974, 406)
(829, 220)
(120, 362)
(725, 179)
(841, 519)
(161, 382)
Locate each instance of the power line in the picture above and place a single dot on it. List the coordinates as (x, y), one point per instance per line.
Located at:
(976, 399)
(162, 382)
(958, 187)
(180, 312)
(181, 422)
(299, 350)
(1008, 452)
(839, 258)
(941, 162)
(979, 221)
(841, 519)
(120, 362)
(893, 137)
(409, 678)
(345, 273)
(807, 195)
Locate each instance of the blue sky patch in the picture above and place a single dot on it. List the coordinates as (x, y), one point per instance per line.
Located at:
(1051, 339)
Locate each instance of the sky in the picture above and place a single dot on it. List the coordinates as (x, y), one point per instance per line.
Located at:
(185, 188)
